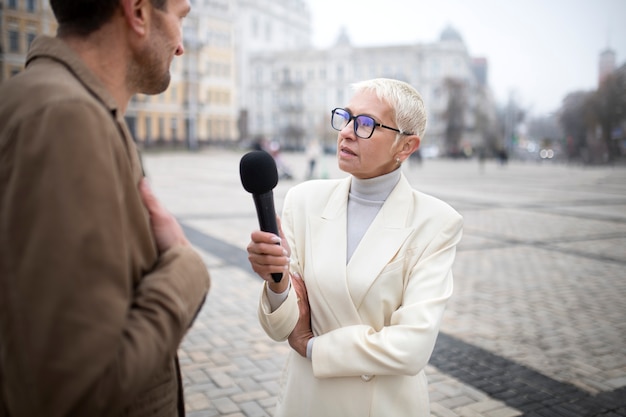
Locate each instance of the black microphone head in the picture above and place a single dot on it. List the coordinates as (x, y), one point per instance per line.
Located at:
(258, 172)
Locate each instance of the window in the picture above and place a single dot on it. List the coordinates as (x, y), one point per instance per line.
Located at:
(255, 27)
(174, 128)
(148, 129)
(161, 128)
(14, 41)
(12, 4)
(268, 31)
(30, 37)
(31, 5)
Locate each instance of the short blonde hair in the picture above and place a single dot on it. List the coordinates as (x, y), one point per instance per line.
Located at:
(406, 102)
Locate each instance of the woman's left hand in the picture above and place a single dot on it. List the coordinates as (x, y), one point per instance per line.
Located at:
(301, 334)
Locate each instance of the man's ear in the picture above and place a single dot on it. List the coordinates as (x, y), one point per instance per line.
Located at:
(136, 14)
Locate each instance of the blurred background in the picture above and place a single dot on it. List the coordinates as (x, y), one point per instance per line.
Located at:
(530, 80)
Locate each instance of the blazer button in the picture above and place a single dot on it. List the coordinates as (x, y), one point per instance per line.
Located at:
(367, 378)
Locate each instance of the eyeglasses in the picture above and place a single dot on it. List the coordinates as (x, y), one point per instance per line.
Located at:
(363, 125)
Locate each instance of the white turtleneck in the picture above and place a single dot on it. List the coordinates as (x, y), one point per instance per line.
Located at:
(364, 202)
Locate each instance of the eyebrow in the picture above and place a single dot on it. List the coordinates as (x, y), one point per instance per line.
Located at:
(375, 118)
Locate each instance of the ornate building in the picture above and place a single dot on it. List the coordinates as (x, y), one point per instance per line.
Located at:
(266, 26)
(249, 70)
(294, 90)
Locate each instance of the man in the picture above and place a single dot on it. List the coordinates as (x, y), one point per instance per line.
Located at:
(98, 283)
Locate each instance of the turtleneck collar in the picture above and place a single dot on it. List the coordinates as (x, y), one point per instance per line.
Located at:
(377, 188)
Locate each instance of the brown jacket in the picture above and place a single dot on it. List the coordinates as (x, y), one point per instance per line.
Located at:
(90, 315)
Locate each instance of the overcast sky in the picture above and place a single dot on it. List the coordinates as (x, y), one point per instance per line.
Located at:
(538, 50)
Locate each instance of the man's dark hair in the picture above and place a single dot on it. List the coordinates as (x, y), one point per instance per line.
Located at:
(82, 17)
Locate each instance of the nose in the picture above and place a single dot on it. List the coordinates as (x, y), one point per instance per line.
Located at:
(180, 49)
(348, 130)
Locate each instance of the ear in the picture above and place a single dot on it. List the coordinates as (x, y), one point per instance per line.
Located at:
(136, 14)
(410, 144)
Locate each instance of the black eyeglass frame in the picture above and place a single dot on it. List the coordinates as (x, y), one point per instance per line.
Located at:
(355, 127)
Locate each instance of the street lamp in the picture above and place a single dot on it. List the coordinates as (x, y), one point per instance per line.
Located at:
(190, 74)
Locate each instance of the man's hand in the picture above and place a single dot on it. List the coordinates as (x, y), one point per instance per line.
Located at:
(301, 334)
(167, 232)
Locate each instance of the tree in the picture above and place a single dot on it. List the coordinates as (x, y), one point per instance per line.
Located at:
(487, 124)
(609, 109)
(574, 119)
(454, 115)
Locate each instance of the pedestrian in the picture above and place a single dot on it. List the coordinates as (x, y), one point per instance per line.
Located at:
(98, 283)
(284, 172)
(313, 151)
(366, 264)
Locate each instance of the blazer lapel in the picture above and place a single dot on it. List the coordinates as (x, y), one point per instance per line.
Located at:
(328, 255)
(381, 242)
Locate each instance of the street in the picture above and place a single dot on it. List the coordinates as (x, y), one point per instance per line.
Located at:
(536, 325)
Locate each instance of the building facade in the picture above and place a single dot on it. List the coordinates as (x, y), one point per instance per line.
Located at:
(606, 64)
(199, 107)
(293, 92)
(20, 22)
(266, 26)
(249, 71)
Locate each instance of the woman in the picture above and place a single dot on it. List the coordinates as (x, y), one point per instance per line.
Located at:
(367, 269)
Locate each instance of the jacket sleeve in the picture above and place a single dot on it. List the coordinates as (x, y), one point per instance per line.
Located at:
(280, 323)
(81, 333)
(404, 345)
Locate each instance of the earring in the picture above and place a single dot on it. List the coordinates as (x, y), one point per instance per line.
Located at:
(398, 161)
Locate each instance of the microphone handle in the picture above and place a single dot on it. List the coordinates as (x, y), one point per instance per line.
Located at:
(266, 214)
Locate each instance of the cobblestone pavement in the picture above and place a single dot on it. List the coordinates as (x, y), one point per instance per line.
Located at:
(536, 326)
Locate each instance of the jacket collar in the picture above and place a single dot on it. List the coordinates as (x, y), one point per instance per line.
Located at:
(46, 47)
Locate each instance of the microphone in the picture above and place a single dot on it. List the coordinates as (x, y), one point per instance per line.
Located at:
(259, 176)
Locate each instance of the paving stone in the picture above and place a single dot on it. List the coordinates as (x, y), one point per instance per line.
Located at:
(253, 409)
(438, 410)
(455, 402)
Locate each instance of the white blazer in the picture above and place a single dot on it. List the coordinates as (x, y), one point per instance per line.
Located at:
(376, 319)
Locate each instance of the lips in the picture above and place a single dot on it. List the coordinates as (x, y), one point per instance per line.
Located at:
(346, 150)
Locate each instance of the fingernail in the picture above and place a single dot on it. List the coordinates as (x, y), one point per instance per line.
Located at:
(275, 239)
(285, 253)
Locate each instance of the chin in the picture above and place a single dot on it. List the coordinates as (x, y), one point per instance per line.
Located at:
(345, 167)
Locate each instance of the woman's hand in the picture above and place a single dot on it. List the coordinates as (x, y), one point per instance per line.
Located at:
(269, 254)
(301, 334)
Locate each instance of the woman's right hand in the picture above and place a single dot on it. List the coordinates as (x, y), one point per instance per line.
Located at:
(269, 254)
